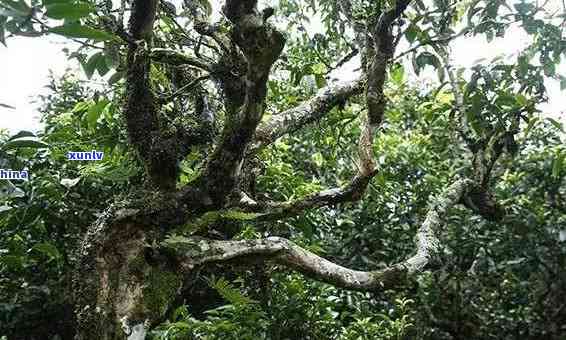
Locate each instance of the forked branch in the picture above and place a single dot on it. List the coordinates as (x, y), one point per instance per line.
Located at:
(379, 53)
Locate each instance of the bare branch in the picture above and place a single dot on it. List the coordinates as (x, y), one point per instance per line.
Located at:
(379, 55)
(344, 60)
(192, 252)
(463, 124)
(184, 89)
(307, 112)
(349, 193)
(443, 40)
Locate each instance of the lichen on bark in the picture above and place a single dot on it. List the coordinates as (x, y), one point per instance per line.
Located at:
(159, 291)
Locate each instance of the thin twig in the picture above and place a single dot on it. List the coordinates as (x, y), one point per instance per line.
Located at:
(184, 88)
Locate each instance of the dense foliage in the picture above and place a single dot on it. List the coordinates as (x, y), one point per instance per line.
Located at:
(502, 279)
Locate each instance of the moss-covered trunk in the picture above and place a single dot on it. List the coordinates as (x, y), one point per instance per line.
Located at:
(120, 287)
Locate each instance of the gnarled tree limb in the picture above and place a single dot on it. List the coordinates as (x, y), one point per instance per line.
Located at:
(192, 252)
(353, 191)
(261, 45)
(307, 112)
(380, 52)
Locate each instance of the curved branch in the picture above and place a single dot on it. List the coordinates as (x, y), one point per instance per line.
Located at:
(191, 252)
(380, 54)
(307, 112)
(349, 193)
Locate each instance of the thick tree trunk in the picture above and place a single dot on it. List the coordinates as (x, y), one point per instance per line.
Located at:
(120, 287)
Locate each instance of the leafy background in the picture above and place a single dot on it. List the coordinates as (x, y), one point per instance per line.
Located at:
(501, 280)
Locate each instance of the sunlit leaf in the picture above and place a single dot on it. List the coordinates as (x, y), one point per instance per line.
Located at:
(48, 249)
(68, 10)
(75, 30)
(23, 143)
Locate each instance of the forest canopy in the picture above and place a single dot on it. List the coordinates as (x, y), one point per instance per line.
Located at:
(282, 170)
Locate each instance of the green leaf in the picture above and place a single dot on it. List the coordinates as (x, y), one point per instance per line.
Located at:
(68, 10)
(115, 77)
(94, 113)
(82, 106)
(319, 68)
(23, 143)
(320, 80)
(524, 8)
(205, 4)
(521, 100)
(13, 262)
(557, 163)
(523, 63)
(112, 54)
(549, 68)
(14, 8)
(230, 293)
(425, 58)
(411, 33)
(556, 124)
(532, 122)
(562, 83)
(90, 66)
(22, 134)
(97, 62)
(75, 30)
(318, 159)
(398, 74)
(48, 249)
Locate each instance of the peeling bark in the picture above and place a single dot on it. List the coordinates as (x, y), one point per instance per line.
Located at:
(119, 289)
